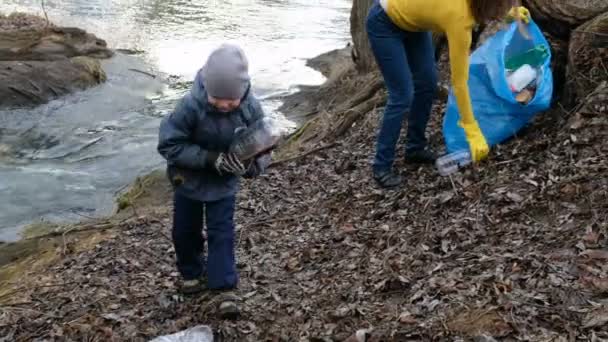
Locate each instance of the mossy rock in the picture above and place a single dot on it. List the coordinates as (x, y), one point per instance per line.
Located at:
(32, 83)
(148, 191)
(25, 37)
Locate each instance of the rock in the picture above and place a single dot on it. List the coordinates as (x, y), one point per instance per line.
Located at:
(587, 57)
(559, 17)
(19, 21)
(36, 82)
(326, 63)
(40, 61)
(53, 43)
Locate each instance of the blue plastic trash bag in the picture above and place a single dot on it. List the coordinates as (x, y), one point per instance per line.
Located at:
(498, 113)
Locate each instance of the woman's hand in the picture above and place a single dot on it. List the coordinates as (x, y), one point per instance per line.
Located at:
(519, 12)
(477, 142)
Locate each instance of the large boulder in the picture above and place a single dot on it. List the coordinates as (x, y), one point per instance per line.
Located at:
(51, 43)
(587, 58)
(31, 83)
(560, 17)
(40, 61)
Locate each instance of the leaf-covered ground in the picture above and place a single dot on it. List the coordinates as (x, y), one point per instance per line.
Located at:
(515, 249)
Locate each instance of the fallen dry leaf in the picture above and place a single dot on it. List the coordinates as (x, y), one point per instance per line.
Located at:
(596, 318)
(595, 254)
(407, 318)
(599, 285)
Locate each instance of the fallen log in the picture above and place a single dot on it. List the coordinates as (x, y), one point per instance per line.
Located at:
(560, 17)
(596, 104)
(350, 116)
(587, 58)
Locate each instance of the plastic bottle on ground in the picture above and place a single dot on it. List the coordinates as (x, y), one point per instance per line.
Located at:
(520, 79)
(450, 163)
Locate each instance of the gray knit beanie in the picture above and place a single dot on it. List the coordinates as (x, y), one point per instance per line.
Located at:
(226, 73)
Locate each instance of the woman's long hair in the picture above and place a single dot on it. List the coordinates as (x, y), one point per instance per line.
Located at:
(485, 11)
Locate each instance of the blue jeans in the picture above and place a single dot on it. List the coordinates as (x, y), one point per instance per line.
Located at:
(190, 244)
(407, 62)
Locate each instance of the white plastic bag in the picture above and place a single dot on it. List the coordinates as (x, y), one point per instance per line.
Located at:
(199, 333)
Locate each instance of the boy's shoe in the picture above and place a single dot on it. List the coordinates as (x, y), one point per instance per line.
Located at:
(228, 305)
(387, 179)
(193, 286)
(420, 157)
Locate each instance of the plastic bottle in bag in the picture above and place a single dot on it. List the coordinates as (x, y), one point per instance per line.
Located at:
(450, 163)
(535, 56)
(521, 78)
(261, 136)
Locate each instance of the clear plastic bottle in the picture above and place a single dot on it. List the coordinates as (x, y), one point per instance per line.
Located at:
(521, 77)
(450, 163)
(199, 333)
(261, 136)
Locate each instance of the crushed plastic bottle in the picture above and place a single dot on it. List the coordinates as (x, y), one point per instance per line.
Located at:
(535, 56)
(199, 333)
(452, 162)
(521, 78)
(261, 136)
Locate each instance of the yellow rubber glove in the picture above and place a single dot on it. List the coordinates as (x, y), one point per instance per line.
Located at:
(519, 12)
(477, 142)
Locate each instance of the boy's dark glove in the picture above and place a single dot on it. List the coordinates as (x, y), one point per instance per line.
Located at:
(226, 163)
(258, 166)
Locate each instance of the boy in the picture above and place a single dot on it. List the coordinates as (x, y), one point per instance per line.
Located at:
(195, 139)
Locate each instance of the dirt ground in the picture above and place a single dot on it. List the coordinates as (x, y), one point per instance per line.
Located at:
(514, 249)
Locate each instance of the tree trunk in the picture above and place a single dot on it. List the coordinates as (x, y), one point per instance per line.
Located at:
(560, 17)
(361, 52)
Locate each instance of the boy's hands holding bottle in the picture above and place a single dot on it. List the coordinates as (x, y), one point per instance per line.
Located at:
(229, 163)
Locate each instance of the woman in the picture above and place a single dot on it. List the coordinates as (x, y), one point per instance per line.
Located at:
(400, 38)
(195, 139)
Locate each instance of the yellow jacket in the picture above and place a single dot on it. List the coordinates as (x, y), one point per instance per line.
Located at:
(455, 19)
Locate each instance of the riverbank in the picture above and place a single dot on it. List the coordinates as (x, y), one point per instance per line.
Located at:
(514, 249)
(148, 195)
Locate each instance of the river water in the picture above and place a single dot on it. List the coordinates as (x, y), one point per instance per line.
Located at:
(66, 160)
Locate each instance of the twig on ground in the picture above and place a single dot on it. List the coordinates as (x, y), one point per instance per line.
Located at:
(300, 156)
(9, 294)
(143, 72)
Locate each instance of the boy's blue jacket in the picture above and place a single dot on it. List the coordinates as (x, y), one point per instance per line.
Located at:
(193, 133)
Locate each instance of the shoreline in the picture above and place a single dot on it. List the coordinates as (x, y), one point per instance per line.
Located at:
(327, 63)
(302, 104)
(321, 63)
